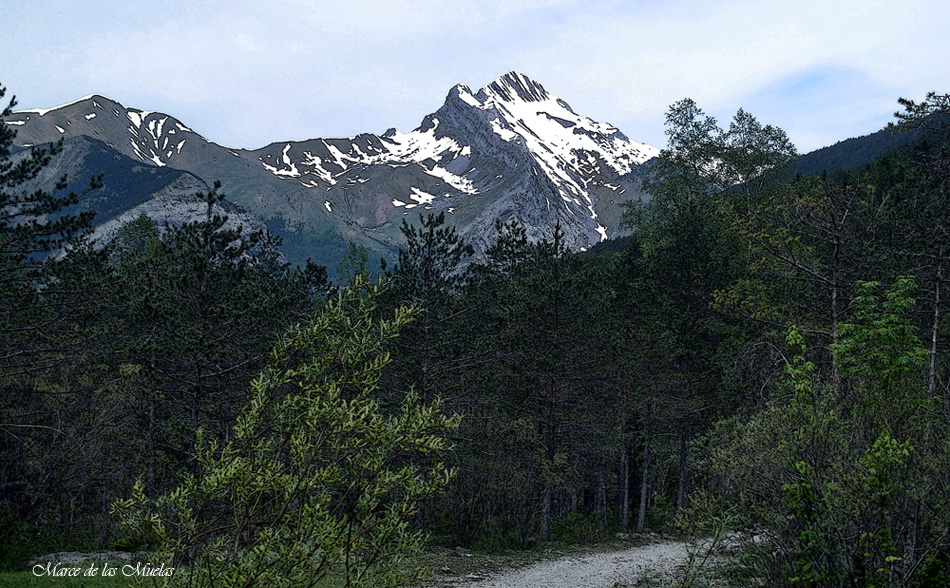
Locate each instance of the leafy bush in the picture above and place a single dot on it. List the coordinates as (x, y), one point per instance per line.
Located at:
(848, 470)
(579, 528)
(496, 537)
(316, 478)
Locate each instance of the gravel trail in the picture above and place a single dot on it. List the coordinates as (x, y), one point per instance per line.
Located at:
(615, 569)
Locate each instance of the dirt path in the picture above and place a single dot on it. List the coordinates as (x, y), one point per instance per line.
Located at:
(655, 561)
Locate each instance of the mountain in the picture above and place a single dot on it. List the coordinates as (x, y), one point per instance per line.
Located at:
(511, 150)
(130, 188)
(856, 152)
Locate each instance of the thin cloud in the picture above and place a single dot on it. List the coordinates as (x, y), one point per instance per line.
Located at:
(251, 73)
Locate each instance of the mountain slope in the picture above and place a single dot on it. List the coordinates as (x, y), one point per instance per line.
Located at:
(130, 188)
(511, 150)
(855, 152)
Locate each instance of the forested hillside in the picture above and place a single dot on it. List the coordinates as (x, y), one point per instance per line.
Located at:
(766, 348)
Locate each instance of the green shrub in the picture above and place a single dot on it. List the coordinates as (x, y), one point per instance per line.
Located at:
(19, 542)
(317, 480)
(129, 543)
(497, 537)
(579, 528)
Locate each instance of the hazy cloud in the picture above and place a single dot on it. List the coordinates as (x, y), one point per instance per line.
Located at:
(246, 73)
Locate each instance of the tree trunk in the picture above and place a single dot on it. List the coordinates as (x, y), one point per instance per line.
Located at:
(150, 489)
(544, 525)
(932, 379)
(602, 491)
(681, 470)
(550, 451)
(191, 460)
(642, 515)
(623, 498)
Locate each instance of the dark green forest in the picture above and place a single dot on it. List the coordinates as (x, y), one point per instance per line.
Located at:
(766, 350)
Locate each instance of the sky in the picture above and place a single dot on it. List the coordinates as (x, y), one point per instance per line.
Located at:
(248, 73)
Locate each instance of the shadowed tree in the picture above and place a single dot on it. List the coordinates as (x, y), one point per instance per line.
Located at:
(430, 273)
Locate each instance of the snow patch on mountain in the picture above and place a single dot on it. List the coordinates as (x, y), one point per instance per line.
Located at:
(289, 172)
(419, 146)
(421, 197)
(433, 154)
(44, 111)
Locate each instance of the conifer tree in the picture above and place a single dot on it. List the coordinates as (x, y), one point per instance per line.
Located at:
(430, 273)
(38, 339)
(196, 309)
(685, 252)
(33, 223)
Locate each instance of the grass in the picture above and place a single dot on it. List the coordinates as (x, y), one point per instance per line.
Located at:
(441, 561)
(48, 578)
(28, 580)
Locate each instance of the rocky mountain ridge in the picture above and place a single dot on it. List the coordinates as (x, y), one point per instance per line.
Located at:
(510, 150)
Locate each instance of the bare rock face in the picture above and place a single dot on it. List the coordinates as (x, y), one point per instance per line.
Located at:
(511, 150)
(175, 205)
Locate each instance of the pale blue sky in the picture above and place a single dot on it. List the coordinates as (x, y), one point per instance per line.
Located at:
(247, 73)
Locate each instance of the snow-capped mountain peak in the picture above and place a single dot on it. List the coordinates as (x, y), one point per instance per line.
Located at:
(527, 111)
(571, 151)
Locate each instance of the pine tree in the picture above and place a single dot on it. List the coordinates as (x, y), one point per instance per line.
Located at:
(196, 309)
(430, 273)
(33, 224)
(38, 342)
(686, 251)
